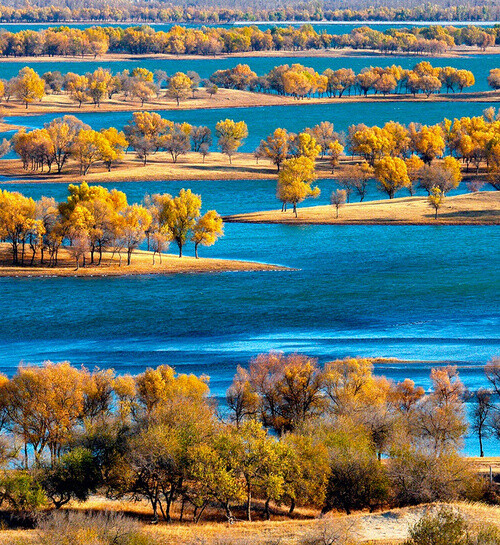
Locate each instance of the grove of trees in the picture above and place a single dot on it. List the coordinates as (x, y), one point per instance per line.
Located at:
(95, 219)
(291, 433)
(180, 40)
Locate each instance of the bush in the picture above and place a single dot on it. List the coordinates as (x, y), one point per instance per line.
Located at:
(445, 526)
(67, 528)
(332, 532)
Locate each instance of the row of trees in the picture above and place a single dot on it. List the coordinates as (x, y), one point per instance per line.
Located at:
(301, 81)
(296, 80)
(67, 137)
(140, 84)
(94, 219)
(309, 11)
(214, 40)
(293, 433)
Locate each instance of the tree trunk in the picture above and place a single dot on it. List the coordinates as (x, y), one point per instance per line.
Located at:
(196, 250)
(249, 502)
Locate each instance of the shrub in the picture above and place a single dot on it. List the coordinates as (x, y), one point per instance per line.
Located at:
(445, 526)
(67, 528)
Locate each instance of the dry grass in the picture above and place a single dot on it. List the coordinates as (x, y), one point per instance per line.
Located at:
(225, 98)
(384, 527)
(482, 208)
(159, 167)
(142, 264)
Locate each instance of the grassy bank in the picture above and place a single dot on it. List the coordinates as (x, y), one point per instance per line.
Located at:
(225, 98)
(481, 208)
(141, 264)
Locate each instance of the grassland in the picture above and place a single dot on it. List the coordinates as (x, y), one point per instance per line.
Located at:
(481, 208)
(225, 98)
(384, 527)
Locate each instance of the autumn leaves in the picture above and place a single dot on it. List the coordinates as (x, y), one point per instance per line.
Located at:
(94, 219)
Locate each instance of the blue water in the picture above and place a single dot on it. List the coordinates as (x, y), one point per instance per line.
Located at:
(263, 120)
(331, 27)
(479, 65)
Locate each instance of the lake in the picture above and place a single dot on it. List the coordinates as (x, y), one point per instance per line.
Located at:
(426, 294)
(262, 121)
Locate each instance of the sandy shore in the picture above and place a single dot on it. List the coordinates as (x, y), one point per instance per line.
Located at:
(482, 208)
(225, 98)
(457, 51)
(141, 264)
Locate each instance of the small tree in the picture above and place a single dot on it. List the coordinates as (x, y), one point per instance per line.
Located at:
(207, 230)
(480, 415)
(338, 198)
(436, 199)
(230, 135)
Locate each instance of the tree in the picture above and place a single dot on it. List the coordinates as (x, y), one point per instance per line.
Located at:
(179, 215)
(436, 199)
(179, 86)
(356, 177)
(427, 141)
(28, 86)
(62, 132)
(357, 479)
(276, 146)
(230, 136)
(414, 167)
(207, 230)
(335, 150)
(481, 414)
(338, 198)
(73, 476)
(200, 136)
(494, 78)
(115, 150)
(99, 83)
(294, 182)
(289, 388)
(90, 147)
(392, 175)
(136, 221)
(77, 87)
(145, 133)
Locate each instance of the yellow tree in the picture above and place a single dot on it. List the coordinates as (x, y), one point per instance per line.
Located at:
(117, 143)
(90, 147)
(207, 230)
(16, 213)
(28, 86)
(413, 166)
(392, 175)
(179, 86)
(179, 215)
(136, 221)
(335, 150)
(307, 146)
(294, 182)
(77, 88)
(276, 146)
(427, 141)
(436, 199)
(230, 136)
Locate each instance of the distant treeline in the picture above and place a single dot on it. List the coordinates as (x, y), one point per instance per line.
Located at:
(248, 11)
(292, 433)
(212, 41)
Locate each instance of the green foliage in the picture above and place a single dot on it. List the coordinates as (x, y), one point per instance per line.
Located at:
(20, 491)
(73, 476)
(442, 527)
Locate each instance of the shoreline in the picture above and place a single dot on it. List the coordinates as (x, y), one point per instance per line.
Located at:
(457, 51)
(225, 98)
(481, 208)
(141, 265)
(189, 167)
